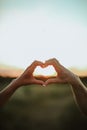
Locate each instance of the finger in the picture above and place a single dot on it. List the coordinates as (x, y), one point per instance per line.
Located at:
(34, 64)
(54, 80)
(54, 63)
(48, 62)
(50, 81)
(38, 63)
(38, 82)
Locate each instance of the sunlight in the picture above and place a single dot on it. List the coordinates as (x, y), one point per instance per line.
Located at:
(48, 71)
(40, 34)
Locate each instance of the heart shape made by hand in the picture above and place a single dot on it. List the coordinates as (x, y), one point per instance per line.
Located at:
(48, 71)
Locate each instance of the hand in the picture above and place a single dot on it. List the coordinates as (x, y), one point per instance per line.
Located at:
(27, 77)
(63, 74)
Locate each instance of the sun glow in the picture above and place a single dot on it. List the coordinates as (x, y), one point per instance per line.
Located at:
(48, 71)
(43, 31)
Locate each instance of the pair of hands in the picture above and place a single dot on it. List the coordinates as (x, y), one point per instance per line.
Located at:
(63, 74)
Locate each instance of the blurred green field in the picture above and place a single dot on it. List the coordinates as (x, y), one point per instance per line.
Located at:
(37, 108)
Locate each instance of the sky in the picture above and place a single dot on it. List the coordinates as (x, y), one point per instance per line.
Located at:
(43, 29)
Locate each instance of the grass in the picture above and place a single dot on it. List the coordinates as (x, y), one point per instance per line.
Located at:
(36, 107)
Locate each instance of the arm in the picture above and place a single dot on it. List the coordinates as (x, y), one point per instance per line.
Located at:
(6, 93)
(80, 94)
(66, 76)
(25, 79)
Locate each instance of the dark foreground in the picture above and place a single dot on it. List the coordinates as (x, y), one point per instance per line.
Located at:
(41, 108)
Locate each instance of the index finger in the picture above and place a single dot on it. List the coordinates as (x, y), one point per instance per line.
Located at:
(53, 62)
(35, 64)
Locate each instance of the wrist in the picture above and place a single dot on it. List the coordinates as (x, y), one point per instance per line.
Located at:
(76, 81)
(16, 83)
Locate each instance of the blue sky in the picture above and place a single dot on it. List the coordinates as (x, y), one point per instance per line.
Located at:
(42, 29)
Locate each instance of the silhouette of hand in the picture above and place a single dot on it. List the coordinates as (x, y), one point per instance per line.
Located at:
(63, 74)
(27, 76)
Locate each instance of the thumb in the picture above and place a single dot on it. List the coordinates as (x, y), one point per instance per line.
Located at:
(54, 80)
(38, 82)
(50, 81)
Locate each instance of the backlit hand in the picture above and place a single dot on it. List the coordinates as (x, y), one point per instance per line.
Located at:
(63, 74)
(27, 77)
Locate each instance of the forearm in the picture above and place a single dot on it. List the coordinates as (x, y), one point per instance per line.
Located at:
(6, 93)
(80, 94)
